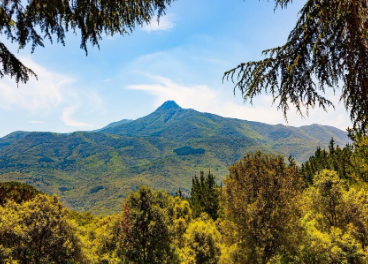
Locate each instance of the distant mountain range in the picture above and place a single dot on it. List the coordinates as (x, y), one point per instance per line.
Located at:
(95, 170)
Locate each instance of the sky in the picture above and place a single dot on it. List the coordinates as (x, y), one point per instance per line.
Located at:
(182, 59)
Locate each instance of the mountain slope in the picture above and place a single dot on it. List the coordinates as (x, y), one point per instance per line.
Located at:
(95, 170)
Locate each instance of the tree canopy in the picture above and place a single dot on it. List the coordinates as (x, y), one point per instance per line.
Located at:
(327, 49)
(268, 215)
(30, 22)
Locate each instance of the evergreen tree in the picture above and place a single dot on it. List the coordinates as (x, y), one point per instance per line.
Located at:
(205, 196)
(327, 47)
(349, 162)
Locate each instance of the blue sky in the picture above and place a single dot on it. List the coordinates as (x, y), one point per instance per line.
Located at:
(182, 59)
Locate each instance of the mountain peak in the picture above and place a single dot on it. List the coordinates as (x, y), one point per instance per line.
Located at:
(169, 105)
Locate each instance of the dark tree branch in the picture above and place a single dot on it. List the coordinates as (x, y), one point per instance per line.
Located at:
(327, 47)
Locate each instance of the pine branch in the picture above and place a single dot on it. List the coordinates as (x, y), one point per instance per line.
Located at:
(327, 47)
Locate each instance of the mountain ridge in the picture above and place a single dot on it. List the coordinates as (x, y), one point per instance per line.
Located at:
(165, 149)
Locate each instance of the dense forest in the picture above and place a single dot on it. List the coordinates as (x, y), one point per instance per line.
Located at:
(267, 210)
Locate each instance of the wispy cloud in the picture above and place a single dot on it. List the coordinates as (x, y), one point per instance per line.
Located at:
(42, 94)
(52, 94)
(203, 98)
(68, 119)
(165, 23)
(221, 102)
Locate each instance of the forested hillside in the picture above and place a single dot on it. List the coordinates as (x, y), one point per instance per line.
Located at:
(95, 170)
(266, 211)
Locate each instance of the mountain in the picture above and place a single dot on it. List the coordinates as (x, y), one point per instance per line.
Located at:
(165, 149)
(115, 124)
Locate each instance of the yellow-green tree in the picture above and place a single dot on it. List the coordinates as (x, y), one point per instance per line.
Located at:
(38, 231)
(181, 216)
(202, 242)
(261, 199)
(16, 191)
(335, 224)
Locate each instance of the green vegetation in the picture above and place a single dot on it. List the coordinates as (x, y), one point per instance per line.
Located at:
(126, 155)
(205, 196)
(146, 227)
(268, 211)
(348, 162)
(188, 151)
(261, 201)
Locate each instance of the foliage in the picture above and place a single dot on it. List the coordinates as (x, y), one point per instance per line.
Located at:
(188, 151)
(268, 216)
(16, 191)
(202, 242)
(33, 21)
(261, 198)
(205, 196)
(327, 46)
(37, 231)
(123, 157)
(335, 223)
(349, 162)
(146, 235)
(104, 239)
(181, 216)
(336, 158)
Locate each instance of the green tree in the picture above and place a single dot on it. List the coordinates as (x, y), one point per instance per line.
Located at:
(327, 47)
(30, 22)
(261, 197)
(360, 157)
(146, 236)
(205, 196)
(349, 162)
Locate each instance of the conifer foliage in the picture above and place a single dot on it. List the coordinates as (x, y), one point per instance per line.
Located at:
(30, 22)
(205, 196)
(327, 46)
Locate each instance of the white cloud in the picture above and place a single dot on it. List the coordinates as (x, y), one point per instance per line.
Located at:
(68, 119)
(42, 94)
(51, 96)
(223, 103)
(166, 23)
(35, 122)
